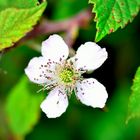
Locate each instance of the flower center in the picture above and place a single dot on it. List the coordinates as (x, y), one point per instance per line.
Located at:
(66, 75)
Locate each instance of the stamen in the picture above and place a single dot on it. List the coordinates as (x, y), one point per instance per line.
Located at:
(64, 75)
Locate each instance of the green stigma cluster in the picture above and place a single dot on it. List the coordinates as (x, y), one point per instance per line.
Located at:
(66, 75)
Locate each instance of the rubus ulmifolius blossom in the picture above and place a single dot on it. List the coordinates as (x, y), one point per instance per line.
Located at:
(55, 72)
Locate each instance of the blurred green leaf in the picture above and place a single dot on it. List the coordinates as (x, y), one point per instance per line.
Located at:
(112, 14)
(23, 107)
(17, 18)
(134, 100)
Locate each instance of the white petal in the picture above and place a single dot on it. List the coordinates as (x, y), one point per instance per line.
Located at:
(55, 48)
(55, 104)
(90, 56)
(91, 93)
(37, 70)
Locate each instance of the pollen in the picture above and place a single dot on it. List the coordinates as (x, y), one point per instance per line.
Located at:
(66, 75)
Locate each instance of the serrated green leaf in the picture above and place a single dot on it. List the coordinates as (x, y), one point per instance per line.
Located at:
(23, 107)
(134, 100)
(112, 14)
(17, 21)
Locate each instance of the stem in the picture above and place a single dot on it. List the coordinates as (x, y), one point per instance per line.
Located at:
(47, 27)
(69, 26)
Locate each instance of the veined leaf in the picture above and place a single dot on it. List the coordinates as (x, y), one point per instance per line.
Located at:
(112, 14)
(23, 107)
(17, 20)
(134, 100)
(18, 4)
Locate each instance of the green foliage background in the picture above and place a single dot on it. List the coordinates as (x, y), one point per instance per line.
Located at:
(20, 114)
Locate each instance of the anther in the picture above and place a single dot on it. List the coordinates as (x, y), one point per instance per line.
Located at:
(81, 88)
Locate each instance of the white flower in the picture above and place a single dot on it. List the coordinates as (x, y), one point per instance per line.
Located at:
(62, 76)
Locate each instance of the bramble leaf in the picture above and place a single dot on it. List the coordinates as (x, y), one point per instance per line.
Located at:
(112, 14)
(17, 18)
(134, 100)
(23, 107)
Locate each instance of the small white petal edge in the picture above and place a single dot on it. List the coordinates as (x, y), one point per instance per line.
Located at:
(90, 56)
(91, 93)
(55, 104)
(54, 48)
(36, 70)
